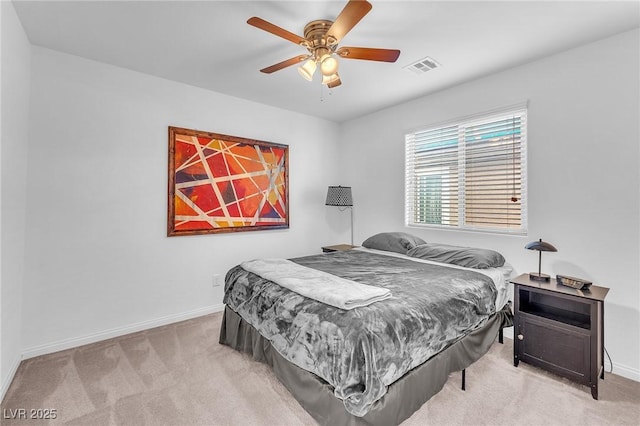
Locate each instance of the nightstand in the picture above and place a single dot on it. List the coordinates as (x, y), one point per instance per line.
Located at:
(337, 247)
(560, 329)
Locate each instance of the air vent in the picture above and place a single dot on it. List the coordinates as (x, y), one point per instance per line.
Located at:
(423, 65)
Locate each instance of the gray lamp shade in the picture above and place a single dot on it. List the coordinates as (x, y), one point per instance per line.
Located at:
(339, 196)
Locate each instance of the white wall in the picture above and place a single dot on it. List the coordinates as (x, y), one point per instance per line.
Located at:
(98, 259)
(584, 162)
(15, 52)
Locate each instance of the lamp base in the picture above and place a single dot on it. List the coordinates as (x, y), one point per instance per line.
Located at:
(535, 276)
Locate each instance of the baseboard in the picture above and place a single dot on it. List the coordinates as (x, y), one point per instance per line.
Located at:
(115, 332)
(7, 380)
(620, 370)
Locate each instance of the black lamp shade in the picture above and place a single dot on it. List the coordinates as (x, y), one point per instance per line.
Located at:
(339, 196)
(540, 246)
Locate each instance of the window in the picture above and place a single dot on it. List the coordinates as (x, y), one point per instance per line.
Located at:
(469, 175)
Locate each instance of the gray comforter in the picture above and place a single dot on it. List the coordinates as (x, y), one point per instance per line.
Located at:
(362, 351)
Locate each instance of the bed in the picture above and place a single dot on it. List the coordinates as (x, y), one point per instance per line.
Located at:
(378, 363)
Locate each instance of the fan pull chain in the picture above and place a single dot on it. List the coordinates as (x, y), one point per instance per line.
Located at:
(330, 92)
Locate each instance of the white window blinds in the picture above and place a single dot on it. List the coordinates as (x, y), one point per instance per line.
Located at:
(469, 175)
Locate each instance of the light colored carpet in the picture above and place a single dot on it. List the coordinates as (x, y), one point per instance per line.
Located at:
(180, 375)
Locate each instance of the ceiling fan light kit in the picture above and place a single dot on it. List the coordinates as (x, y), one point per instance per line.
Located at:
(328, 65)
(321, 38)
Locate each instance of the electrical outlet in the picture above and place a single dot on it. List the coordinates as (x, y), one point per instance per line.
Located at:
(218, 280)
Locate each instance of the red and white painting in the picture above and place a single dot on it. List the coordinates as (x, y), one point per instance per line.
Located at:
(220, 183)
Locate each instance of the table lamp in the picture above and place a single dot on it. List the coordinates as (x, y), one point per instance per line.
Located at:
(540, 246)
(340, 196)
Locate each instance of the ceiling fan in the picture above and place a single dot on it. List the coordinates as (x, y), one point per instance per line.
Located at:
(321, 38)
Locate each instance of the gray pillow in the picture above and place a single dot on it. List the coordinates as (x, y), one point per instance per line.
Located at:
(462, 256)
(399, 242)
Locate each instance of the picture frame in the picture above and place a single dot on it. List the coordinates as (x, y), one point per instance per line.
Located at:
(220, 183)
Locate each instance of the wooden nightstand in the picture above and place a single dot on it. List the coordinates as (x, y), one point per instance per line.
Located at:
(560, 329)
(337, 247)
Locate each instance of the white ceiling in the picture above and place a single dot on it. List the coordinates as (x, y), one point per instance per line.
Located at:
(209, 44)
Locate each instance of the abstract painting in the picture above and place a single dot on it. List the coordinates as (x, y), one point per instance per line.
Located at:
(220, 183)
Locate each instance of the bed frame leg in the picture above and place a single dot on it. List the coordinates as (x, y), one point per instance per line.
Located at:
(501, 336)
(463, 380)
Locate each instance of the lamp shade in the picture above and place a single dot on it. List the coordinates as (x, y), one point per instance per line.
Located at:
(339, 196)
(307, 69)
(328, 65)
(328, 79)
(540, 246)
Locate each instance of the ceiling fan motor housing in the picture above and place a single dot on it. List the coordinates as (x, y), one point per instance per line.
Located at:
(317, 42)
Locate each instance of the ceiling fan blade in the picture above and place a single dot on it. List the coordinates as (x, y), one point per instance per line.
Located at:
(284, 64)
(369, 54)
(352, 13)
(275, 30)
(335, 83)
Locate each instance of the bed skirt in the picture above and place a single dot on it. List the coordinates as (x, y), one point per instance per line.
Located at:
(403, 397)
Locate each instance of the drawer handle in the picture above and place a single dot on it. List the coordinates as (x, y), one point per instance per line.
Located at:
(520, 337)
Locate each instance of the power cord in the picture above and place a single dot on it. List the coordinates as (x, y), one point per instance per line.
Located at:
(610, 362)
